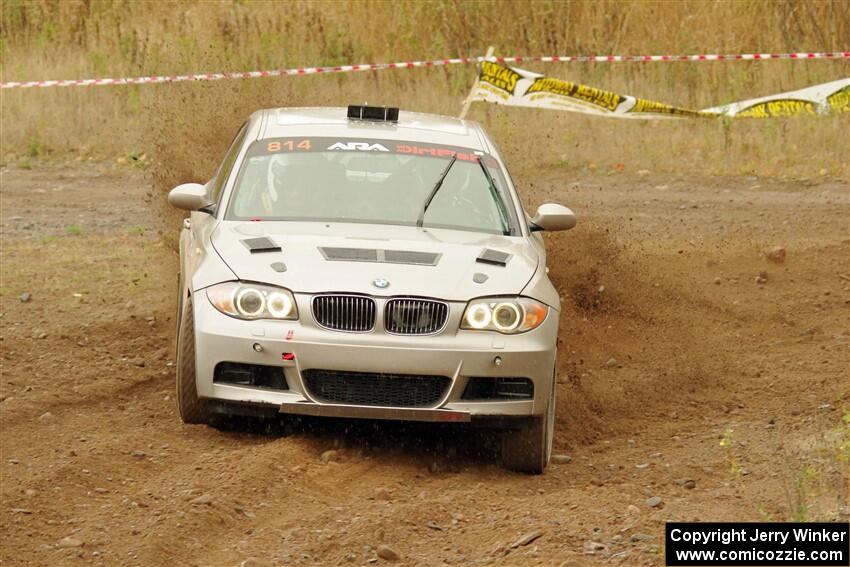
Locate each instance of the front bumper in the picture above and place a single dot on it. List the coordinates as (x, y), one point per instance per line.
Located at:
(454, 353)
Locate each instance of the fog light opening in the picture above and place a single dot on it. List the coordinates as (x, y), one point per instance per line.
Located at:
(250, 375)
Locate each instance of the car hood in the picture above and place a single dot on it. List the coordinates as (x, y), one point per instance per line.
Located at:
(313, 256)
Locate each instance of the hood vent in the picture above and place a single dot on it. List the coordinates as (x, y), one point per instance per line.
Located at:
(380, 256)
(410, 257)
(261, 244)
(493, 257)
(349, 254)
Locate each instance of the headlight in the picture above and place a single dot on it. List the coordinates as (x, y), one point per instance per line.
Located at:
(253, 301)
(508, 315)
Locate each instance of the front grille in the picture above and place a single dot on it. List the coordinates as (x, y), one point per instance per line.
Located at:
(353, 313)
(410, 316)
(372, 389)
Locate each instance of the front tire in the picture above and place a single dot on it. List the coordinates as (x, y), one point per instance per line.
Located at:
(529, 449)
(191, 408)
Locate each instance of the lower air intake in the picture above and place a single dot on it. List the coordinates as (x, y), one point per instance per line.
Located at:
(373, 389)
(253, 375)
(499, 389)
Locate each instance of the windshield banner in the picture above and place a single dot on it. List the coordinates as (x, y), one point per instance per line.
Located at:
(499, 84)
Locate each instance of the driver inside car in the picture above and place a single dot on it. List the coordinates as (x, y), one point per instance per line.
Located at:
(312, 184)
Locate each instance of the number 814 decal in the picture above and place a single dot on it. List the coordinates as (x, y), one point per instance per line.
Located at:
(289, 146)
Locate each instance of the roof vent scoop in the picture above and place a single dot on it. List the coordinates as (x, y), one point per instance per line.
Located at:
(373, 113)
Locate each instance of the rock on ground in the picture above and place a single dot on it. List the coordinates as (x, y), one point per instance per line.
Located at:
(527, 538)
(387, 553)
(776, 254)
(654, 501)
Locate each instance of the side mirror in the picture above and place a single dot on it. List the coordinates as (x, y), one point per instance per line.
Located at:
(551, 216)
(190, 197)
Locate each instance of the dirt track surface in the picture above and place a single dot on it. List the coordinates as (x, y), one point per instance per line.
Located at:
(735, 385)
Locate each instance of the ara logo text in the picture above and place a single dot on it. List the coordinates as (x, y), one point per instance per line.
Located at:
(358, 146)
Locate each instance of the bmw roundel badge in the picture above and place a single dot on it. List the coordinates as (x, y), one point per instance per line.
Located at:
(381, 283)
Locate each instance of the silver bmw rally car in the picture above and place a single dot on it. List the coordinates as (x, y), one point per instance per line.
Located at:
(368, 263)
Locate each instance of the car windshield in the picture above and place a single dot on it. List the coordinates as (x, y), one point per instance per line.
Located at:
(371, 181)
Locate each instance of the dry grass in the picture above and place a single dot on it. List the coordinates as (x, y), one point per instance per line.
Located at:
(184, 127)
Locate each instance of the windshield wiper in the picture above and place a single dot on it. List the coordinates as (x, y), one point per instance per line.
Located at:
(436, 188)
(494, 192)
